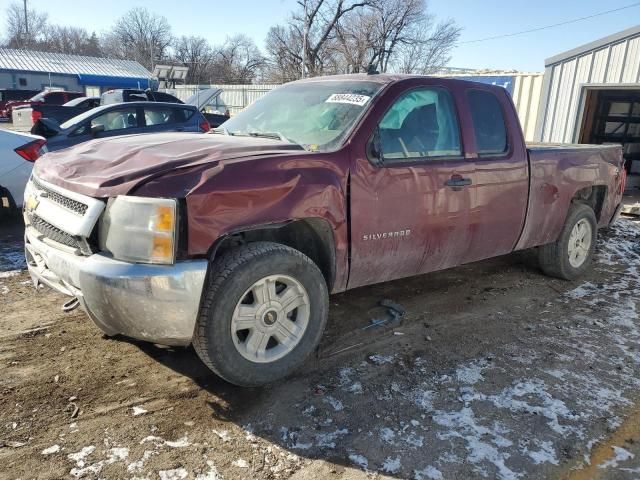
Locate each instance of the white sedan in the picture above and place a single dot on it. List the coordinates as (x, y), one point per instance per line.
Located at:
(18, 152)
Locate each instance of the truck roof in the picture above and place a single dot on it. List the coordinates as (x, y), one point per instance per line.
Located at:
(388, 78)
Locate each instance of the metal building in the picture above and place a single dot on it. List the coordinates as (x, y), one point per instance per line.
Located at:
(23, 69)
(591, 94)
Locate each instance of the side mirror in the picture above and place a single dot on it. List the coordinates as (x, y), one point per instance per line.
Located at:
(374, 148)
(95, 129)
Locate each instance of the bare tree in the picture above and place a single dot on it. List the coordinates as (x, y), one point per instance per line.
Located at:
(23, 32)
(139, 35)
(69, 40)
(197, 54)
(430, 50)
(284, 50)
(404, 37)
(238, 60)
(343, 36)
(309, 33)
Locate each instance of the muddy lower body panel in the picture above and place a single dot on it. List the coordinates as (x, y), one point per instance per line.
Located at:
(156, 303)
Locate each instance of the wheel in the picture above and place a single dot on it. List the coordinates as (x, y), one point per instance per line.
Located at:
(8, 208)
(263, 312)
(572, 253)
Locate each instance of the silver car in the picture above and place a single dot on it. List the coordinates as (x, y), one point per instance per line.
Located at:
(18, 152)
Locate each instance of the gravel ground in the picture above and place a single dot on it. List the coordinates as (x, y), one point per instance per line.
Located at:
(495, 371)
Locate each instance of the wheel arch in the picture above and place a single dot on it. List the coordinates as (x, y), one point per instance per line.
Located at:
(593, 196)
(313, 237)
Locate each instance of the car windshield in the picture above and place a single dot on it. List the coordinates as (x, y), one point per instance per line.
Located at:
(38, 97)
(74, 102)
(317, 115)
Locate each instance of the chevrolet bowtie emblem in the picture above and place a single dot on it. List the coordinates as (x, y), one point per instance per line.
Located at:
(32, 203)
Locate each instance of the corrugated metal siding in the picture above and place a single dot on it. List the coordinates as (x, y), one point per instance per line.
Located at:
(617, 62)
(30, 61)
(234, 97)
(526, 96)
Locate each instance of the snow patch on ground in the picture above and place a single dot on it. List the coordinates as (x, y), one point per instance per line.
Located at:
(137, 411)
(117, 454)
(359, 460)
(391, 465)
(173, 474)
(240, 463)
(381, 359)
(472, 373)
(51, 450)
(621, 455)
(429, 472)
(545, 453)
(212, 474)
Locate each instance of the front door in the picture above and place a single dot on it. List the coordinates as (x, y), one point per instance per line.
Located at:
(411, 188)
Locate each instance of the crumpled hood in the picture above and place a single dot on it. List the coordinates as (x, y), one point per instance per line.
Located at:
(114, 166)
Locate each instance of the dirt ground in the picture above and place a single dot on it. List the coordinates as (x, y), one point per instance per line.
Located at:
(495, 371)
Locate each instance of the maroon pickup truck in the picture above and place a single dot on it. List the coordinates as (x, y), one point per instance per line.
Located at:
(233, 240)
(49, 97)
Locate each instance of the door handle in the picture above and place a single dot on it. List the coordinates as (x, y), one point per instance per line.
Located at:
(458, 182)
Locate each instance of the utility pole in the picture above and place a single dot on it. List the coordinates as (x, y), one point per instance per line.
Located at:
(26, 22)
(304, 40)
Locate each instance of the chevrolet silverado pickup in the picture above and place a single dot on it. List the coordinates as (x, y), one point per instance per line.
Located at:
(233, 240)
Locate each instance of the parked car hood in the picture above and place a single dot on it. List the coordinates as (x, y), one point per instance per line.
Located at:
(109, 167)
(202, 97)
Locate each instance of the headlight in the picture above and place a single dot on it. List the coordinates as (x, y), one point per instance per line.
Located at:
(139, 229)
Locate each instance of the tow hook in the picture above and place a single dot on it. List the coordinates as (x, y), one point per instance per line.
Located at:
(71, 305)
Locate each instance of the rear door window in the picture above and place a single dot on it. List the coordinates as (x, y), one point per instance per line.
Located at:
(158, 115)
(488, 123)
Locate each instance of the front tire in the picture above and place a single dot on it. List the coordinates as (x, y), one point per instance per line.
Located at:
(572, 254)
(263, 313)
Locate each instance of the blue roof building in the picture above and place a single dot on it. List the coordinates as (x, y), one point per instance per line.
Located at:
(25, 69)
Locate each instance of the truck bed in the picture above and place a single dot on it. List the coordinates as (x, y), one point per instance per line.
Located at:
(557, 173)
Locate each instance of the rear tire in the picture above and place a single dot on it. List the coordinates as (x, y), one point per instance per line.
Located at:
(8, 207)
(571, 255)
(263, 313)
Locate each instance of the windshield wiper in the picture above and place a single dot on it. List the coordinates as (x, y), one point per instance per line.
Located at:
(221, 130)
(276, 136)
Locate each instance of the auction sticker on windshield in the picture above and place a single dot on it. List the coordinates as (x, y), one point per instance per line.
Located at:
(350, 98)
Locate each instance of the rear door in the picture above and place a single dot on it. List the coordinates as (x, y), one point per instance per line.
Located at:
(164, 118)
(412, 197)
(501, 178)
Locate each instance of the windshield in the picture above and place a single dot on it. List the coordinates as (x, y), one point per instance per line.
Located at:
(317, 115)
(74, 102)
(38, 97)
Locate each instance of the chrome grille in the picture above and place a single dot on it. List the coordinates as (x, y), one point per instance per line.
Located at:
(51, 232)
(68, 203)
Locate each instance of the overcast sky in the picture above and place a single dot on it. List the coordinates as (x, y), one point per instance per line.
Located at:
(215, 19)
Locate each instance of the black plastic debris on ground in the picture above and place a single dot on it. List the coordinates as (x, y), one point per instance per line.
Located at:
(395, 313)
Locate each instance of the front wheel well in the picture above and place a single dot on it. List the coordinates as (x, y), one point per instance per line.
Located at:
(593, 196)
(311, 236)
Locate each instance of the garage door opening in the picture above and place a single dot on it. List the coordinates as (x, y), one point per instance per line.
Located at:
(613, 117)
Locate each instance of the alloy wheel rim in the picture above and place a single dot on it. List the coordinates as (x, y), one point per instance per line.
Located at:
(580, 243)
(270, 318)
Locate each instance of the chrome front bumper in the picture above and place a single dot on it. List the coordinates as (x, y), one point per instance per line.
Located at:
(156, 303)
